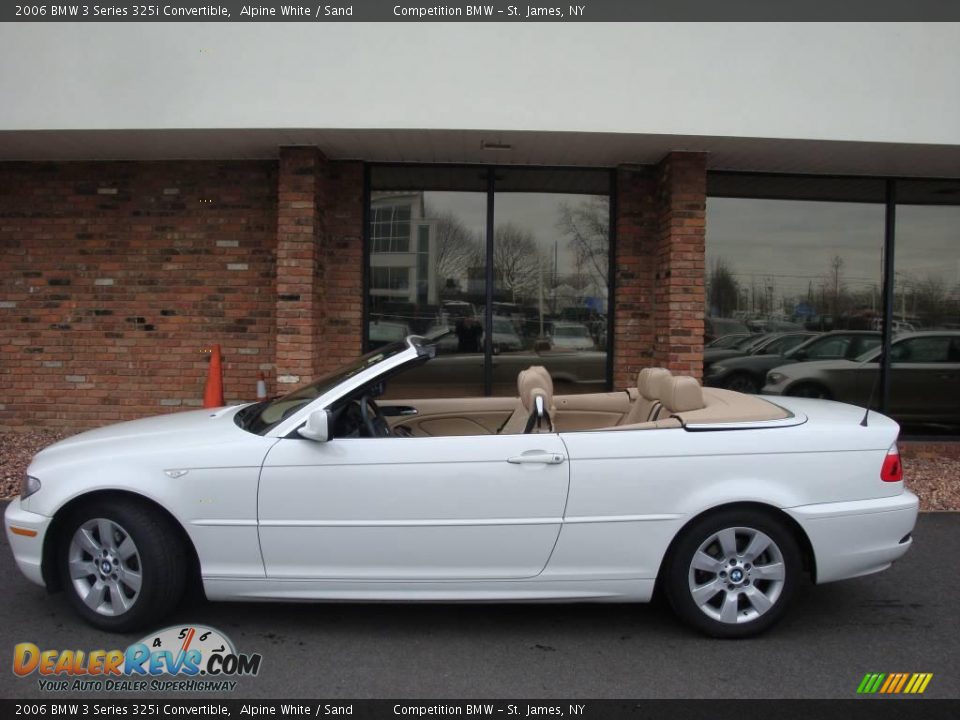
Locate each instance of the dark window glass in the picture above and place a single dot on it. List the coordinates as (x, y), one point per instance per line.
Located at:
(430, 283)
(926, 298)
(796, 253)
(549, 300)
(551, 277)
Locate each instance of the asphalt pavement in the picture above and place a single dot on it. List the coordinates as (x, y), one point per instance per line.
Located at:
(906, 619)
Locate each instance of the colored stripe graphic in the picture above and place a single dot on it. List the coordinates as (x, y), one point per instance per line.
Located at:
(894, 683)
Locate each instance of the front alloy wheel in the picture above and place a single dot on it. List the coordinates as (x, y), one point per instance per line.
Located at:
(105, 567)
(733, 573)
(122, 563)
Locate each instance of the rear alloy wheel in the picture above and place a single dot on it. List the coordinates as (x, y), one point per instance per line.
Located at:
(743, 383)
(121, 565)
(810, 390)
(732, 574)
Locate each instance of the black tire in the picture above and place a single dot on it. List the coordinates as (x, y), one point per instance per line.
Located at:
(809, 390)
(161, 562)
(679, 577)
(742, 382)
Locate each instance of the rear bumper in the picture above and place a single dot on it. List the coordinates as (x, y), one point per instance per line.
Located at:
(25, 533)
(856, 538)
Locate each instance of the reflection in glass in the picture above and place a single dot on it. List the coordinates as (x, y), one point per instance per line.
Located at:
(782, 266)
(925, 370)
(548, 303)
(550, 292)
(427, 270)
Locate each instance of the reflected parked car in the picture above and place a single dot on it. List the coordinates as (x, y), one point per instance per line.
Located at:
(925, 381)
(505, 338)
(383, 332)
(571, 336)
(714, 327)
(728, 341)
(749, 346)
(748, 373)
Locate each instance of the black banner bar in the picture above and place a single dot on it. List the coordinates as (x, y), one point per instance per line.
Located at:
(867, 708)
(579, 11)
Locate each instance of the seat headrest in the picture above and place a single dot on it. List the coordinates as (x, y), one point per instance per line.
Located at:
(649, 382)
(681, 394)
(535, 381)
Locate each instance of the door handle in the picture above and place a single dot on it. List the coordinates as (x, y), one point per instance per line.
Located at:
(395, 410)
(537, 456)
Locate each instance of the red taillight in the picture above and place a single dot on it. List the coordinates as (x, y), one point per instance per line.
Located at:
(892, 470)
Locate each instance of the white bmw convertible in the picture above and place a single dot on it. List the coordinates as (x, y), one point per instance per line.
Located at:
(719, 500)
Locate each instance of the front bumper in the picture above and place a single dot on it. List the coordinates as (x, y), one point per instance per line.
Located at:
(25, 533)
(856, 538)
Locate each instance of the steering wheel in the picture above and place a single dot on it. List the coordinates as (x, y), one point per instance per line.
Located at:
(373, 418)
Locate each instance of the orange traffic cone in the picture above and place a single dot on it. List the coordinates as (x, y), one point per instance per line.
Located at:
(213, 392)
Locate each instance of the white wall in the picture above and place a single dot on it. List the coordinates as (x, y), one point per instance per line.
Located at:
(874, 82)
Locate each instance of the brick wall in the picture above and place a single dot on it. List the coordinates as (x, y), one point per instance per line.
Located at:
(636, 243)
(679, 295)
(659, 291)
(319, 264)
(114, 276)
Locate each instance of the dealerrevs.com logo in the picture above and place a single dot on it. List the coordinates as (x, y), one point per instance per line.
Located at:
(197, 657)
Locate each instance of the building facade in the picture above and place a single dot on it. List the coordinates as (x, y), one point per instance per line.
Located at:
(589, 198)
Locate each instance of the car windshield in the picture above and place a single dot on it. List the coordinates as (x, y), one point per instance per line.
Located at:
(753, 341)
(728, 341)
(261, 417)
(871, 354)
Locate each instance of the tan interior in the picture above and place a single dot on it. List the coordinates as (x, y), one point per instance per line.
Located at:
(646, 404)
(660, 401)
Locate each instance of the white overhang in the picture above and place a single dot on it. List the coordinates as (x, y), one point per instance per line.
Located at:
(587, 149)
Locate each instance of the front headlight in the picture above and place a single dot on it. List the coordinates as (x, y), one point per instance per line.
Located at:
(28, 486)
(775, 378)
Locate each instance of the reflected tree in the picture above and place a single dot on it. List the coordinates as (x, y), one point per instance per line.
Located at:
(457, 248)
(586, 226)
(723, 289)
(517, 261)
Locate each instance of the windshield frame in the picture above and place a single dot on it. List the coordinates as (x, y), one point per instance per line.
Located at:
(412, 348)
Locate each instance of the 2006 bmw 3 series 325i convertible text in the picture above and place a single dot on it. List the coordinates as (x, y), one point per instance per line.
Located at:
(719, 500)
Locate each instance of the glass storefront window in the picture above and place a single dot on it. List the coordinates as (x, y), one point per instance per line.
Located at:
(925, 356)
(551, 279)
(548, 300)
(777, 265)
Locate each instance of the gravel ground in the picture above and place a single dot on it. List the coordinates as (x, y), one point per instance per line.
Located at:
(932, 474)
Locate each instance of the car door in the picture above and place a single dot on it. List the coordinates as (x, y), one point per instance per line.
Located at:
(416, 508)
(925, 384)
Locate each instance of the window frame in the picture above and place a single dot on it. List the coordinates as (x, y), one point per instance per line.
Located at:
(491, 171)
(891, 186)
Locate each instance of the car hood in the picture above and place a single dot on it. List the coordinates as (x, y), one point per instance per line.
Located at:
(183, 430)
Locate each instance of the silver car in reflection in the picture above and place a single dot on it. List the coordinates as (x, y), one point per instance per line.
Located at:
(925, 384)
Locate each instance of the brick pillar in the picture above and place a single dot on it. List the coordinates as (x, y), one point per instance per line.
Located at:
(342, 253)
(659, 293)
(680, 265)
(299, 264)
(636, 242)
(319, 264)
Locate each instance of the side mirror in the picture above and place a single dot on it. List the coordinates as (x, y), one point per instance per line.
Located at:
(317, 427)
(800, 355)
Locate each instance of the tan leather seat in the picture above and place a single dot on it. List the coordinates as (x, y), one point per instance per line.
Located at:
(532, 383)
(647, 405)
(681, 394)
